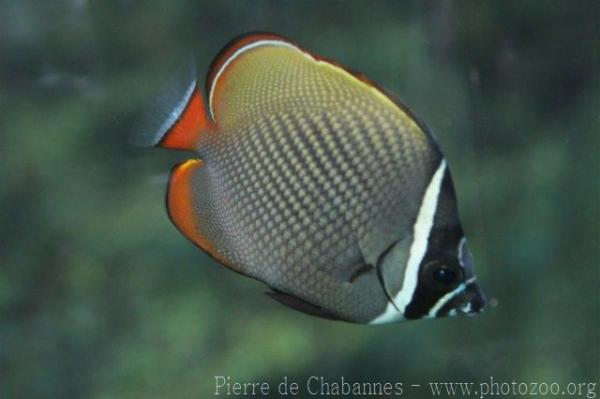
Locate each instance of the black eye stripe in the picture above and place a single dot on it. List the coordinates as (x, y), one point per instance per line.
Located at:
(428, 291)
(444, 275)
(441, 275)
(442, 249)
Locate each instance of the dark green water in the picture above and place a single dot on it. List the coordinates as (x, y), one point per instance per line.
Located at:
(100, 297)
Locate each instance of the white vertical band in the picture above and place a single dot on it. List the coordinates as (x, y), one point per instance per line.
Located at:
(421, 231)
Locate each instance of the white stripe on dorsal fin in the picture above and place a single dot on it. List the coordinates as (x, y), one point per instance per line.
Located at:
(242, 47)
(237, 53)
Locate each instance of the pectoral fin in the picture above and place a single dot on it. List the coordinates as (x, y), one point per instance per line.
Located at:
(350, 274)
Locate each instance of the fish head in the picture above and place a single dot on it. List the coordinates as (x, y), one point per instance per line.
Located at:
(430, 274)
(449, 279)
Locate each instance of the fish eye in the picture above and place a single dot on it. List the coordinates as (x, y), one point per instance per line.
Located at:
(442, 276)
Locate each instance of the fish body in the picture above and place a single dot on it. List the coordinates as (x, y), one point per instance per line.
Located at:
(316, 182)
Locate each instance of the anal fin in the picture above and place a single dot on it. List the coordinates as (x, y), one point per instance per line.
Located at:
(189, 211)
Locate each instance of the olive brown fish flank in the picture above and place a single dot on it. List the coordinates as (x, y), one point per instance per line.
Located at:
(316, 183)
(278, 41)
(234, 56)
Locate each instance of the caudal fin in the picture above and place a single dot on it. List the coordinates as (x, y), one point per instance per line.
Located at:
(178, 118)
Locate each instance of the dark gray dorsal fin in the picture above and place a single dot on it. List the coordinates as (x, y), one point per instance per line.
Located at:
(301, 305)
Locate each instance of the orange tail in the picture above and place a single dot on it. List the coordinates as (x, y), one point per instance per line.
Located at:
(186, 123)
(179, 119)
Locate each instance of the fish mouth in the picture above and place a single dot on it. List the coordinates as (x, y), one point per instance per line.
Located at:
(469, 300)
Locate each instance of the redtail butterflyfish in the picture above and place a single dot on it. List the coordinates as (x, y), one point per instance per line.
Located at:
(315, 181)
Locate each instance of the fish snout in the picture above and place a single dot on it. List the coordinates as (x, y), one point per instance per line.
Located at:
(473, 300)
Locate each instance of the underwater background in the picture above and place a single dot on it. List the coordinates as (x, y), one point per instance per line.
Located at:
(101, 297)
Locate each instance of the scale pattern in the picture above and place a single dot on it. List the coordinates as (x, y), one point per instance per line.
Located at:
(312, 174)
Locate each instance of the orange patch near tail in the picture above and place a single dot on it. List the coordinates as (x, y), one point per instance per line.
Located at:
(191, 123)
(182, 210)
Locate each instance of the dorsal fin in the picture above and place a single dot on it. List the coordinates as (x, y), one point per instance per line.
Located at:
(263, 67)
(228, 53)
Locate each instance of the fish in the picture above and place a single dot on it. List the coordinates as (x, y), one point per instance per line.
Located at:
(312, 179)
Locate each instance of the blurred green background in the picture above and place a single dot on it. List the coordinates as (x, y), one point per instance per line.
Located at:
(101, 297)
